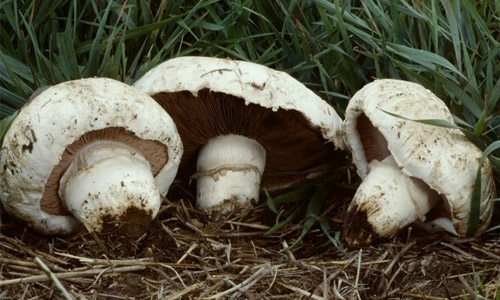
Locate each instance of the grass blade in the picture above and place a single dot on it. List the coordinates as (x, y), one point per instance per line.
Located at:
(475, 205)
(313, 212)
(5, 125)
(476, 194)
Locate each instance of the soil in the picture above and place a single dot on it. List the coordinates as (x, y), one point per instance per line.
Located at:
(188, 255)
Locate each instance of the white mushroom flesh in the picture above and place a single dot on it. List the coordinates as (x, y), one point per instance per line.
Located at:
(104, 181)
(229, 170)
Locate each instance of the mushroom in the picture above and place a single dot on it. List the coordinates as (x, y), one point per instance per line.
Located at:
(411, 171)
(92, 152)
(243, 126)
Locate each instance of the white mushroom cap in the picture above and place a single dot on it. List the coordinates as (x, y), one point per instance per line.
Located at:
(252, 82)
(442, 158)
(208, 97)
(43, 139)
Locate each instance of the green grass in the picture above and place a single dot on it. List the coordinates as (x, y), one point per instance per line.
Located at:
(334, 47)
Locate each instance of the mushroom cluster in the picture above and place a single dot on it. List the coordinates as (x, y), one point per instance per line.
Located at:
(98, 154)
(411, 171)
(244, 127)
(91, 153)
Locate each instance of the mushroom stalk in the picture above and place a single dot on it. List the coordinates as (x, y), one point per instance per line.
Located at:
(108, 180)
(229, 169)
(387, 200)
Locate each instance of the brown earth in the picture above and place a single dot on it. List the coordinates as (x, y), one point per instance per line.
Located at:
(186, 256)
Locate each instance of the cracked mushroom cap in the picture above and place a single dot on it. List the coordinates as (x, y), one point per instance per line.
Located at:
(443, 159)
(208, 97)
(54, 126)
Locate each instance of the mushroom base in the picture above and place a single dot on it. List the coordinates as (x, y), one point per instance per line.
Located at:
(228, 173)
(386, 201)
(104, 183)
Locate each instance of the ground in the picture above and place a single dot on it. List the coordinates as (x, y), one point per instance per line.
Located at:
(186, 256)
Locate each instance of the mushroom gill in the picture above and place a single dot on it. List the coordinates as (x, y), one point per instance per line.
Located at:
(292, 146)
(374, 143)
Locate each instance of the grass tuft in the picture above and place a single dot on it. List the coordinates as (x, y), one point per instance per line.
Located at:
(334, 47)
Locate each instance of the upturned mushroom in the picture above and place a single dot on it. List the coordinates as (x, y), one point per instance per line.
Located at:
(411, 171)
(92, 152)
(244, 127)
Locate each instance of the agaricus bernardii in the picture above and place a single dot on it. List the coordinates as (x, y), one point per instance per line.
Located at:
(244, 127)
(411, 171)
(92, 152)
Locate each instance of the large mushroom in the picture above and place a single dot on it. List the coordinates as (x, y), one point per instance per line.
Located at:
(411, 171)
(244, 126)
(92, 152)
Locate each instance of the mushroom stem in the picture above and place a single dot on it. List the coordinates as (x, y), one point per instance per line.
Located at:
(386, 201)
(108, 180)
(228, 174)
